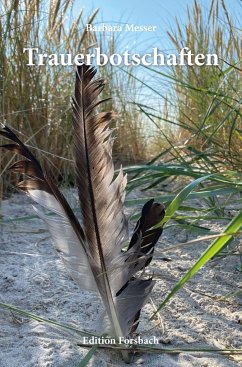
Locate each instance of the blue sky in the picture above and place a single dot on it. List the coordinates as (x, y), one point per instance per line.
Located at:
(150, 11)
(160, 13)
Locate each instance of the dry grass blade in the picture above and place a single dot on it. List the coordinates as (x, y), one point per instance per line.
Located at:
(39, 97)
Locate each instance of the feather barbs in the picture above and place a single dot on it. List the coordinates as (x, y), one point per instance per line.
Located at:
(93, 251)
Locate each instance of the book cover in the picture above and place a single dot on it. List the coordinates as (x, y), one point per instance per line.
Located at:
(169, 77)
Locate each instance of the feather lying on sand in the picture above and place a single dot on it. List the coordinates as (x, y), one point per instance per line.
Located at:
(94, 252)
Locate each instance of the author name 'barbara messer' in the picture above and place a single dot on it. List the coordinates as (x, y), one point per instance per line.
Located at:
(103, 27)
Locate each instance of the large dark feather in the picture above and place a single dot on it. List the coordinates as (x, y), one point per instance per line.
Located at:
(93, 252)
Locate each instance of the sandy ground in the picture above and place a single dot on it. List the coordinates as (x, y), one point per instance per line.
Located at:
(33, 278)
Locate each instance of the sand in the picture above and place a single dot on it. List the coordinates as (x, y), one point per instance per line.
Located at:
(33, 278)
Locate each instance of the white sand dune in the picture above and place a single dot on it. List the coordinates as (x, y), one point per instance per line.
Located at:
(33, 278)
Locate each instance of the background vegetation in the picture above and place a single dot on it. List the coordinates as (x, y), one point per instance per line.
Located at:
(198, 121)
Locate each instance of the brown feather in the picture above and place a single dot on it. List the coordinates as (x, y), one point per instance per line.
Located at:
(93, 253)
